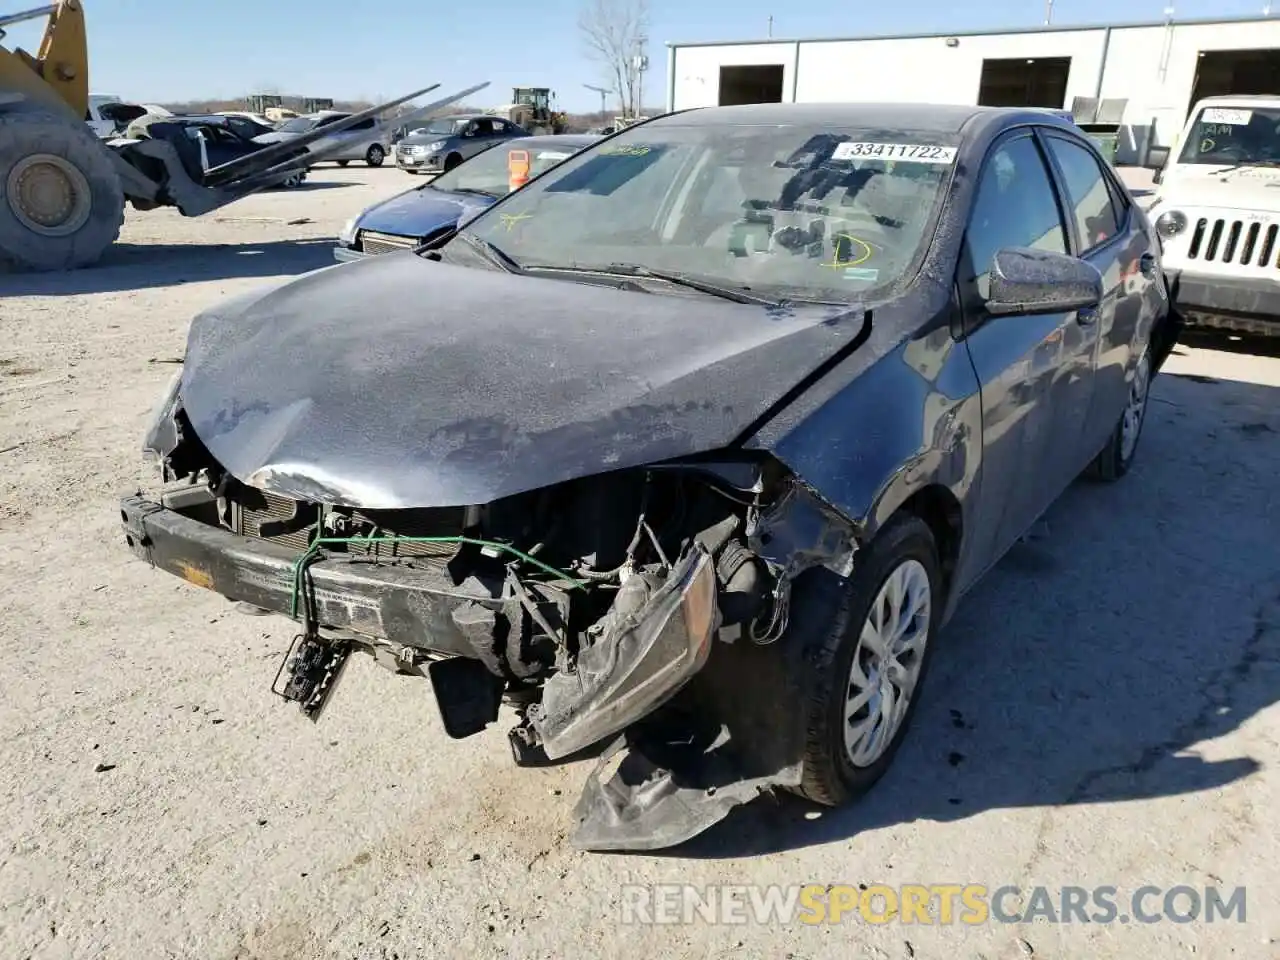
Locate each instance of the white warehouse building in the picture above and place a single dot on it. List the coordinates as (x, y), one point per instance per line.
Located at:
(1144, 77)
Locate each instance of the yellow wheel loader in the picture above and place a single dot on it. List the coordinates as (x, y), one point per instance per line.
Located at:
(62, 190)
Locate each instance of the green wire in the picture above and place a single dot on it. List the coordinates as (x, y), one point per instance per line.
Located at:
(299, 565)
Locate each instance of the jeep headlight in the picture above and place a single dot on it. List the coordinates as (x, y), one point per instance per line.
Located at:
(1171, 223)
(347, 235)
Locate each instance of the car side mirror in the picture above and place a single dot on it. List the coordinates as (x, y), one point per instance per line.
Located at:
(1028, 282)
(1157, 160)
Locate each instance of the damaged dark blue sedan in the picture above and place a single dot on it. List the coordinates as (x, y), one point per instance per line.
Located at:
(686, 451)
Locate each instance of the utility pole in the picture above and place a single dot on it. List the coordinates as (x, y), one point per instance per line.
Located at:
(771, 25)
(641, 64)
(1048, 12)
(604, 92)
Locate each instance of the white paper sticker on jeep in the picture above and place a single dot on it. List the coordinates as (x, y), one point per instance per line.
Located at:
(1235, 118)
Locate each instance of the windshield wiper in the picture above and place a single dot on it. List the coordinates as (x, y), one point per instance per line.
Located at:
(493, 253)
(737, 295)
(472, 191)
(1248, 163)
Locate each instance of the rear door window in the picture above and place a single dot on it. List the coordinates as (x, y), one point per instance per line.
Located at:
(1088, 193)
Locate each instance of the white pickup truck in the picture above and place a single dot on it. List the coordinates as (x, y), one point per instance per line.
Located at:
(1217, 212)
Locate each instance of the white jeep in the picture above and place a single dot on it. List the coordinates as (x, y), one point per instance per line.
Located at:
(1217, 212)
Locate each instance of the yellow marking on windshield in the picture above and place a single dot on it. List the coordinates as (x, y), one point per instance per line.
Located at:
(838, 264)
(511, 219)
(1207, 145)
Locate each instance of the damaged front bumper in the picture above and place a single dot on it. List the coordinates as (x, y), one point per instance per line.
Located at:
(398, 604)
(706, 725)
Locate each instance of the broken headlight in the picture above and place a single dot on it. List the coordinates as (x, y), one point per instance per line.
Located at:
(637, 663)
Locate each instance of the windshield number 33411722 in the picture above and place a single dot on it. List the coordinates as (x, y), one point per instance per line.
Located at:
(911, 152)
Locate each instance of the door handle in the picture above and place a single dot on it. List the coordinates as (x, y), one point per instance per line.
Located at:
(1087, 316)
(1147, 264)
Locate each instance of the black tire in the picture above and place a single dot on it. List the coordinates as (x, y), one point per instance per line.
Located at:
(25, 134)
(343, 163)
(375, 157)
(1114, 460)
(451, 161)
(831, 635)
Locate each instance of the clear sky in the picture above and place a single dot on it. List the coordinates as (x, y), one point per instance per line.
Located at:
(174, 50)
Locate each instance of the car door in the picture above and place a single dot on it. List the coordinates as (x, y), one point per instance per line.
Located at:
(358, 139)
(223, 145)
(1107, 232)
(325, 143)
(479, 135)
(1026, 365)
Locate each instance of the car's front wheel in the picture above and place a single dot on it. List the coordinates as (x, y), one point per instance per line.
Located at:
(451, 161)
(870, 650)
(375, 156)
(1115, 459)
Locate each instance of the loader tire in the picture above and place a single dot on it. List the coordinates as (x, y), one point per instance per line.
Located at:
(61, 203)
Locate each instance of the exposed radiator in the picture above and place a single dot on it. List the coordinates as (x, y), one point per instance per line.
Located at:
(257, 509)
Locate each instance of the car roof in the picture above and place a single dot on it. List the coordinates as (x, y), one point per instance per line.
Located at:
(931, 117)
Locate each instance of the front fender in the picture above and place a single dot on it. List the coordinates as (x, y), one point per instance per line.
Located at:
(910, 419)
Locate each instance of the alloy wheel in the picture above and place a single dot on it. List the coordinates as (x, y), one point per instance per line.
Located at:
(1135, 410)
(887, 662)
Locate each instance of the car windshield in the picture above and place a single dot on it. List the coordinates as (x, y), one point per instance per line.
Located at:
(815, 212)
(298, 125)
(488, 172)
(1237, 136)
(441, 127)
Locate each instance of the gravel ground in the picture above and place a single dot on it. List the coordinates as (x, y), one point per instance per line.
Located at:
(1103, 710)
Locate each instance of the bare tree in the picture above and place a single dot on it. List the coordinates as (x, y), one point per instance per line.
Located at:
(615, 33)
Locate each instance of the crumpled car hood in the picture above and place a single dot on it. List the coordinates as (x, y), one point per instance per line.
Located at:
(398, 382)
(415, 213)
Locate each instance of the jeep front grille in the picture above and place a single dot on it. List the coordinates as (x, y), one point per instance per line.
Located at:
(373, 242)
(1241, 242)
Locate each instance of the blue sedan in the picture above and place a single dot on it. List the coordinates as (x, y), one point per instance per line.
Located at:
(412, 218)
